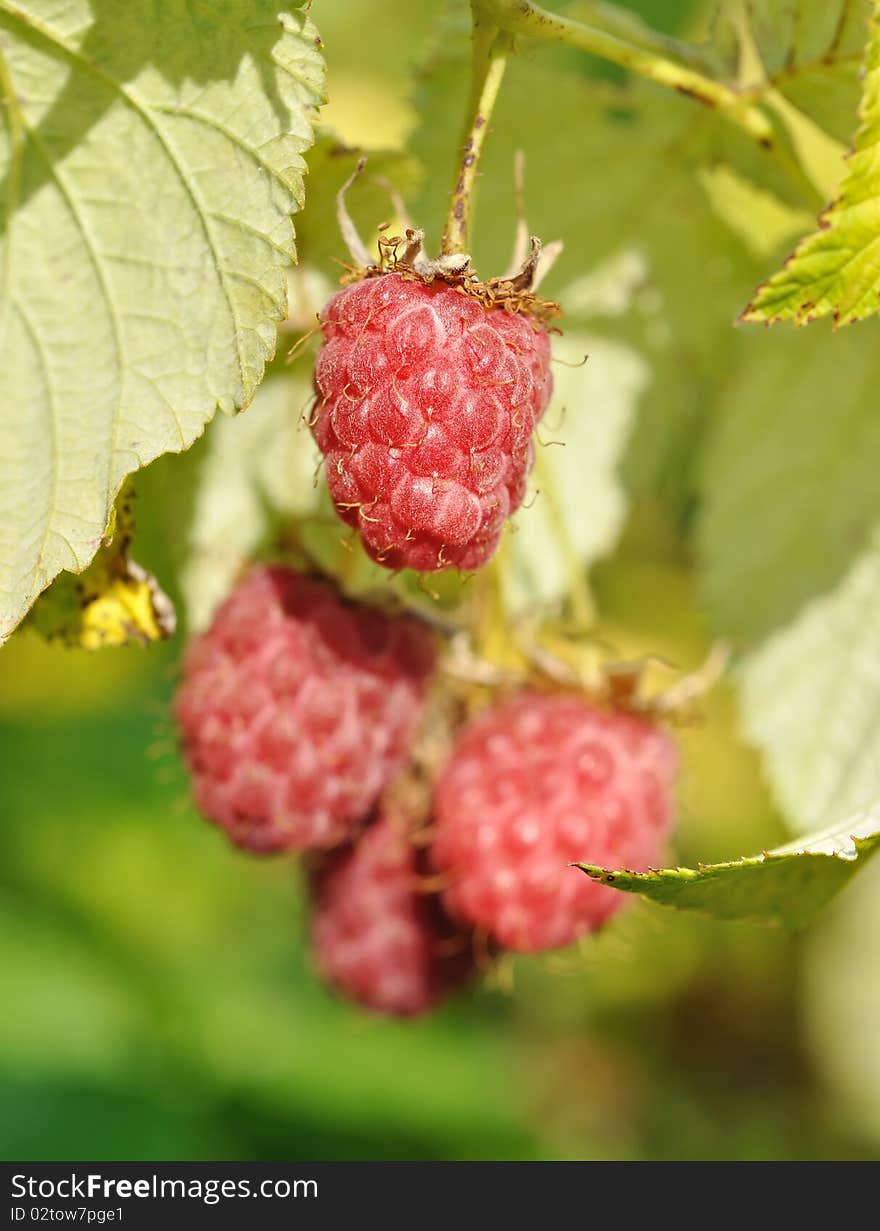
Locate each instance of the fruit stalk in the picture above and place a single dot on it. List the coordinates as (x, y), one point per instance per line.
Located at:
(491, 51)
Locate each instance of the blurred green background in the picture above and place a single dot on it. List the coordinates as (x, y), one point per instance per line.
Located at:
(157, 999)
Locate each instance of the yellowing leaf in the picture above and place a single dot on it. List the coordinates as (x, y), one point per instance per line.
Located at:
(131, 608)
(113, 602)
(836, 271)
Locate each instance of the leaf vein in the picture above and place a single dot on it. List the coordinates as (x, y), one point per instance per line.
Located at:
(144, 112)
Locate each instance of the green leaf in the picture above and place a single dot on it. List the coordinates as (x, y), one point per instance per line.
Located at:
(758, 217)
(788, 885)
(577, 504)
(789, 480)
(840, 1003)
(150, 158)
(811, 699)
(836, 271)
(807, 51)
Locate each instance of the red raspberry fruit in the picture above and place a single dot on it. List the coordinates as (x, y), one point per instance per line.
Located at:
(378, 938)
(297, 709)
(533, 785)
(427, 402)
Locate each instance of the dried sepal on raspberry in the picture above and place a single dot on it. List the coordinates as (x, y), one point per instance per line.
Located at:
(430, 384)
(649, 685)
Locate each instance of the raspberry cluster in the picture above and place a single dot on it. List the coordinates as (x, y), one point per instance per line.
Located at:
(427, 401)
(298, 709)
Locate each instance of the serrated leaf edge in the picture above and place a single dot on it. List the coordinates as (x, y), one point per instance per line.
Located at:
(806, 312)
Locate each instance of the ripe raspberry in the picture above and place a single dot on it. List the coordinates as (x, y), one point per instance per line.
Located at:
(297, 709)
(533, 785)
(427, 402)
(377, 937)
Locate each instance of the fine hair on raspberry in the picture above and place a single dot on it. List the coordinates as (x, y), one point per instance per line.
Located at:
(297, 708)
(427, 401)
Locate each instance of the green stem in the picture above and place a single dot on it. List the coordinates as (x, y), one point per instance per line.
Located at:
(651, 57)
(491, 625)
(491, 51)
(628, 27)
